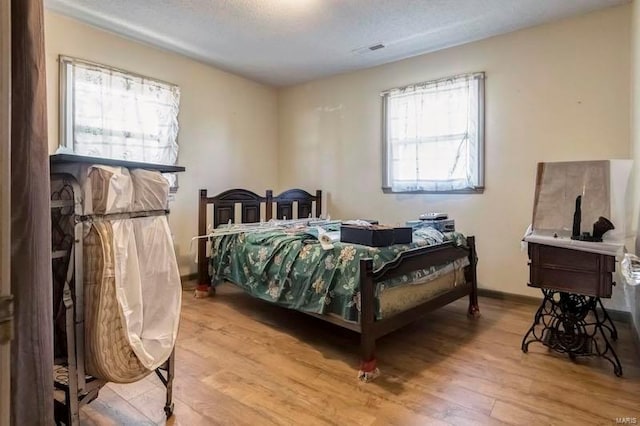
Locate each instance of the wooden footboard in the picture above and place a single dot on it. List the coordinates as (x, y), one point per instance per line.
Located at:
(412, 260)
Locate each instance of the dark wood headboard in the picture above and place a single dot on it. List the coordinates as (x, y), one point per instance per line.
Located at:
(224, 206)
(284, 203)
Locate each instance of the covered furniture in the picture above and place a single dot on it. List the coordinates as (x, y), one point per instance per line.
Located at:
(116, 286)
(576, 234)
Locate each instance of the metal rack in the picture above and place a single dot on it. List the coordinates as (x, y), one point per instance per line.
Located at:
(72, 386)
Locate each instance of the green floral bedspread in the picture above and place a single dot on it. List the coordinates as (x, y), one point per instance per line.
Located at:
(293, 270)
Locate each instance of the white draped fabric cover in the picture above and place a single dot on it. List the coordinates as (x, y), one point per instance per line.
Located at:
(148, 287)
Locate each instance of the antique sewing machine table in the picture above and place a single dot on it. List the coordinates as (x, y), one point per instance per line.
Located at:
(572, 318)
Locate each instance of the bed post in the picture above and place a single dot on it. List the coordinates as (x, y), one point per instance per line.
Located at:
(368, 369)
(474, 310)
(269, 206)
(203, 270)
(318, 203)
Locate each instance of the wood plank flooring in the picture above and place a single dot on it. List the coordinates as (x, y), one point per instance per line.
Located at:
(243, 361)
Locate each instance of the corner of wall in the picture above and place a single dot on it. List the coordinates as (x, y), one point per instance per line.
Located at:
(633, 295)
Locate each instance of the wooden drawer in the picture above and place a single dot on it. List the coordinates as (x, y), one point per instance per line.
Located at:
(570, 270)
(587, 283)
(549, 256)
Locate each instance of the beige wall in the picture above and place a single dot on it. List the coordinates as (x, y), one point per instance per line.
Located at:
(553, 92)
(228, 125)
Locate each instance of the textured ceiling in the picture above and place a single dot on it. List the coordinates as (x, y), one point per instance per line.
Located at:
(284, 42)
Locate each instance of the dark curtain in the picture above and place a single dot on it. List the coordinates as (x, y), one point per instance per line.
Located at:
(32, 348)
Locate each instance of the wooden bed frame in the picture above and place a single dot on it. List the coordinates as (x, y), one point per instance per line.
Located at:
(368, 327)
(224, 206)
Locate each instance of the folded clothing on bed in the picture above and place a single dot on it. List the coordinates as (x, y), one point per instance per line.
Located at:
(293, 270)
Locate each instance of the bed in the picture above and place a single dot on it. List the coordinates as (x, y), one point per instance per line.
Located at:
(369, 290)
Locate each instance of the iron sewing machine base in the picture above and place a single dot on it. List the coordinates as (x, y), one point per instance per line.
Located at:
(570, 323)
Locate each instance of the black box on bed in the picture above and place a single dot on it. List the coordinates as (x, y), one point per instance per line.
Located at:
(403, 235)
(375, 236)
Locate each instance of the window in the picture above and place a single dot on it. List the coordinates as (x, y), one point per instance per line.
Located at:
(111, 113)
(433, 138)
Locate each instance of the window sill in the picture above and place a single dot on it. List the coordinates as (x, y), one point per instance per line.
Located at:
(476, 190)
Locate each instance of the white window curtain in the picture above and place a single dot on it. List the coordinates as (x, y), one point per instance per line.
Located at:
(110, 113)
(434, 135)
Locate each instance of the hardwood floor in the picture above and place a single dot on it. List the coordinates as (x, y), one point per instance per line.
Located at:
(243, 361)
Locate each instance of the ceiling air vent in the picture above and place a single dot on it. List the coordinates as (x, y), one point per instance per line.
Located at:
(368, 49)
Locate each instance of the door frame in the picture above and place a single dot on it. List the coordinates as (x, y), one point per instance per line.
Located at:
(5, 198)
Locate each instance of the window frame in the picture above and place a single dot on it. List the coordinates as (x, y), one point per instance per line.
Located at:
(386, 170)
(66, 109)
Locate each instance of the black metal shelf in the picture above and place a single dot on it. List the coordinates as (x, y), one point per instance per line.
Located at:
(73, 158)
